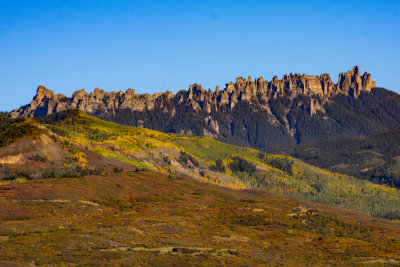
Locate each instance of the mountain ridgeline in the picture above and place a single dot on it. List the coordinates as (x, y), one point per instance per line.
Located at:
(257, 113)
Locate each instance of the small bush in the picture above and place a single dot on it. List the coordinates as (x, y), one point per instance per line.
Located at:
(116, 169)
(167, 160)
(38, 157)
(186, 158)
(218, 167)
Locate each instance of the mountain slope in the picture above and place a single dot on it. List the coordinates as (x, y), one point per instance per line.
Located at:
(211, 161)
(255, 113)
(375, 157)
(30, 151)
(12, 129)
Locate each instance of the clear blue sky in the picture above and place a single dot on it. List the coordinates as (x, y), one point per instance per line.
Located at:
(153, 46)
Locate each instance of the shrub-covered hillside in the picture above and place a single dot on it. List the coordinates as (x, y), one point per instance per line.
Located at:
(215, 162)
(12, 129)
(149, 219)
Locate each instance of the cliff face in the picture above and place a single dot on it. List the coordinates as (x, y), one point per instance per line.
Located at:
(321, 87)
(259, 113)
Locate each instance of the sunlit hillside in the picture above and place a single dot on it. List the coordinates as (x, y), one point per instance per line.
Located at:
(211, 161)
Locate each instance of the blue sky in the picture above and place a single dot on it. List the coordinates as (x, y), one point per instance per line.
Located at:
(154, 46)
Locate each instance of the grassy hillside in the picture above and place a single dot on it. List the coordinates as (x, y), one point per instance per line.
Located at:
(215, 162)
(149, 219)
(301, 180)
(30, 151)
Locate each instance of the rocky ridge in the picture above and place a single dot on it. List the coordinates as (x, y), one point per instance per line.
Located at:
(319, 88)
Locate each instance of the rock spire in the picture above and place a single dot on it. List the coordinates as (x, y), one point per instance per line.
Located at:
(291, 85)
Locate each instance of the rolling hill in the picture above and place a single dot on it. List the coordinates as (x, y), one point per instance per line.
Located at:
(238, 167)
(147, 218)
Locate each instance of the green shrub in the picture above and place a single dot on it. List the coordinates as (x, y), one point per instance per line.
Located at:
(218, 167)
(38, 157)
(186, 158)
(116, 169)
(167, 160)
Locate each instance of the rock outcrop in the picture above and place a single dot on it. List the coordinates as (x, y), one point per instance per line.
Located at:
(352, 83)
(321, 87)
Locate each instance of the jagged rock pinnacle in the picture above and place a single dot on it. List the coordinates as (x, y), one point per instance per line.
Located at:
(349, 83)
